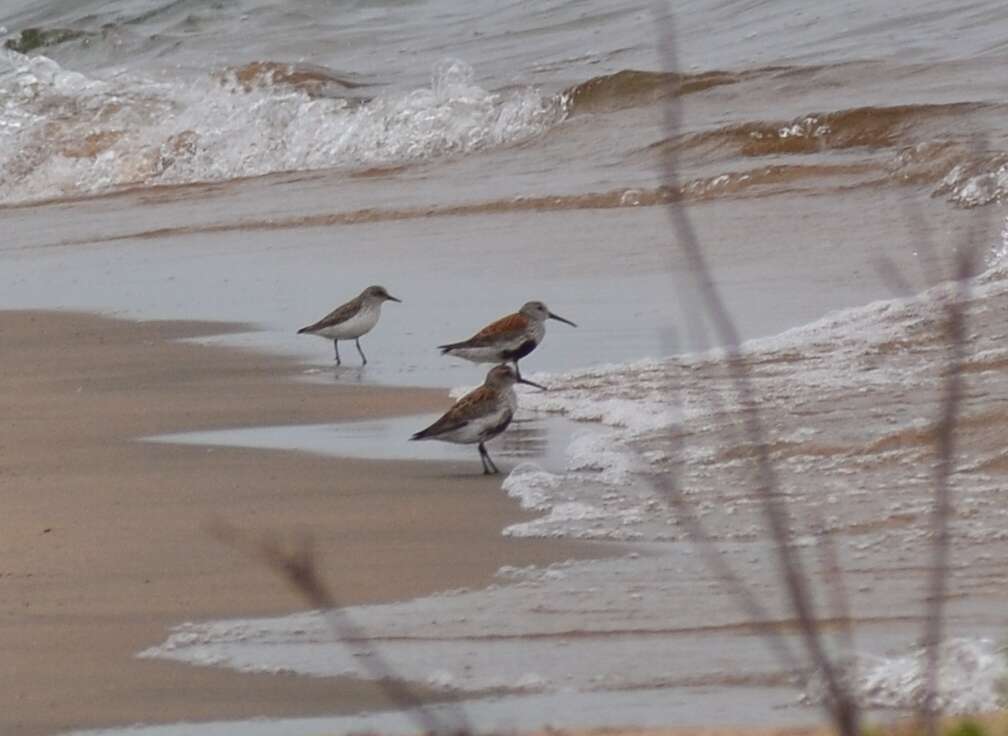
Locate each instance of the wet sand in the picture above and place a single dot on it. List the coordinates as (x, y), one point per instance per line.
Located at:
(104, 539)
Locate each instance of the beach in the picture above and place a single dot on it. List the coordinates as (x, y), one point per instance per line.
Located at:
(184, 186)
(107, 541)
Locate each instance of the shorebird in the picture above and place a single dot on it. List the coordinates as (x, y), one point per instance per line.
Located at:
(480, 415)
(351, 320)
(508, 339)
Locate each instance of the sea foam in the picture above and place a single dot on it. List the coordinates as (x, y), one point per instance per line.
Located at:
(830, 395)
(64, 133)
(971, 678)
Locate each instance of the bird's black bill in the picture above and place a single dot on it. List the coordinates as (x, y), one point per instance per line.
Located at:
(531, 383)
(558, 318)
(392, 298)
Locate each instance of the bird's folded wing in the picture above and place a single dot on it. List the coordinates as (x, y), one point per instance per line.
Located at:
(341, 314)
(507, 328)
(473, 405)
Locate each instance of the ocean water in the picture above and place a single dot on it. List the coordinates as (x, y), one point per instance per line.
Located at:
(112, 95)
(854, 456)
(257, 161)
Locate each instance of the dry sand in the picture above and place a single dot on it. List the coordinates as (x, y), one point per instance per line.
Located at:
(104, 543)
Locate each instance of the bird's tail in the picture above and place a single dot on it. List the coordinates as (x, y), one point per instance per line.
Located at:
(445, 349)
(421, 435)
(303, 330)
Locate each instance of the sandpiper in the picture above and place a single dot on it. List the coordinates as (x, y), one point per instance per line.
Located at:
(351, 320)
(508, 339)
(480, 415)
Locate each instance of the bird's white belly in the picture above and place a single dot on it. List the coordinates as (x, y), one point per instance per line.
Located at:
(360, 324)
(479, 355)
(470, 433)
(493, 353)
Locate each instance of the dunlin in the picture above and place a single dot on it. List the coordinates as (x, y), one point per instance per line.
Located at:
(351, 320)
(508, 339)
(480, 415)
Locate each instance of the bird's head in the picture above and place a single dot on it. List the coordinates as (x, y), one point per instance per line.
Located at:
(378, 294)
(540, 313)
(503, 376)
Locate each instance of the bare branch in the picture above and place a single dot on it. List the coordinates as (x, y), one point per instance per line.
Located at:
(942, 510)
(892, 277)
(841, 707)
(966, 259)
(296, 564)
(714, 559)
(921, 239)
(945, 449)
(670, 487)
(836, 589)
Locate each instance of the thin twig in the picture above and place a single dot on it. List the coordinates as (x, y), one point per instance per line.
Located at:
(298, 567)
(892, 277)
(945, 449)
(836, 588)
(945, 439)
(841, 707)
(715, 560)
(669, 485)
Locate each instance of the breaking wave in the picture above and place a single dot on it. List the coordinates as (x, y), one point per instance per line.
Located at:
(971, 678)
(916, 144)
(976, 181)
(833, 392)
(905, 144)
(63, 133)
(634, 87)
(862, 127)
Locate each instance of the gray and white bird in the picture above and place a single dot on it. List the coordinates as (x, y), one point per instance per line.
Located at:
(351, 320)
(508, 339)
(480, 415)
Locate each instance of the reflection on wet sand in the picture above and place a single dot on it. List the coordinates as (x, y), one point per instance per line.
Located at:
(529, 438)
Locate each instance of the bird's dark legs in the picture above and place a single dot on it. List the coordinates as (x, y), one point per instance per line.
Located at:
(518, 375)
(357, 341)
(335, 344)
(488, 465)
(483, 459)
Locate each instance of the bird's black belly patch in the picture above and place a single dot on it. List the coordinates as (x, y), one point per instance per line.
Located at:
(519, 352)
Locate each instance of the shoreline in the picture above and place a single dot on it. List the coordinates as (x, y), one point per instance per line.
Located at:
(104, 537)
